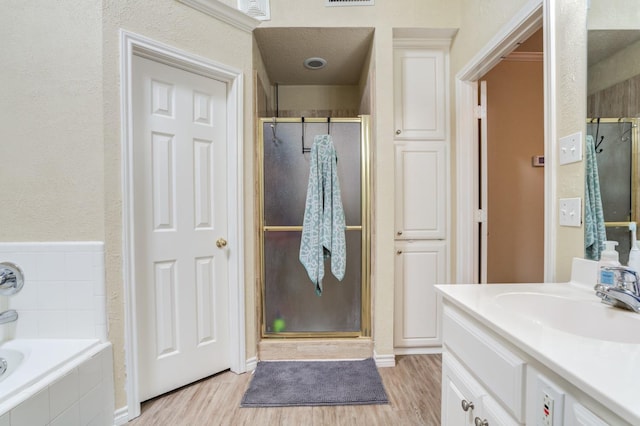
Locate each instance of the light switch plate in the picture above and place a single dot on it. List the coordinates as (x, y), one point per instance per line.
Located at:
(571, 148)
(570, 211)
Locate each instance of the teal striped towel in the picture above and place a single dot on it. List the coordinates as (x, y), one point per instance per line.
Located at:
(595, 233)
(323, 229)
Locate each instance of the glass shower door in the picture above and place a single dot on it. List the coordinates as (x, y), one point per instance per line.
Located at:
(290, 306)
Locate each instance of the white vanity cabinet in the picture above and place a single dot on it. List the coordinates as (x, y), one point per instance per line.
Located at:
(465, 401)
(475, 361)
(500, 384)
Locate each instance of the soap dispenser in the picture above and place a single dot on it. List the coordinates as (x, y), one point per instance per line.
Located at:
(608, 257)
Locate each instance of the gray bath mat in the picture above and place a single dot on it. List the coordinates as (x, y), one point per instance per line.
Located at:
(306, 383)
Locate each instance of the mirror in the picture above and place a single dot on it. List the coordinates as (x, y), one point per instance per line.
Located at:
(613, 112)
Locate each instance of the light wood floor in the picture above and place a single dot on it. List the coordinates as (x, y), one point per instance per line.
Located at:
(413, 388)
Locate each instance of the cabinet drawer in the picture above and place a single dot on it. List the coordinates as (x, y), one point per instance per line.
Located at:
(496, 367)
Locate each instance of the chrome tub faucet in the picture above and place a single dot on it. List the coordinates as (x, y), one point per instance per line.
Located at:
(11, 278)
(8, 316)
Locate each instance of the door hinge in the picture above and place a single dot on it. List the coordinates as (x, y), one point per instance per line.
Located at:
(481, 216)
(480, 112)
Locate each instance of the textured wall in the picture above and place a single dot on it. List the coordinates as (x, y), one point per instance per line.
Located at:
(480, 21)
(570, 74)
(51, 179)
(342, 101)
(620, 100)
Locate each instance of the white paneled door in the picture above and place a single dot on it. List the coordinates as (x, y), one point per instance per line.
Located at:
(180, 205)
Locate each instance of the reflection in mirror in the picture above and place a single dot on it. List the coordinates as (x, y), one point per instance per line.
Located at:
(615, 141)
(613, 108)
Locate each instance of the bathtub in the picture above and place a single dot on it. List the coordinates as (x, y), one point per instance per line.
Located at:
(56, 381)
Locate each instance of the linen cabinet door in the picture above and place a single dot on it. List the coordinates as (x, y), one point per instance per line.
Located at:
(419, 266)
(420, 93)
(421, 190)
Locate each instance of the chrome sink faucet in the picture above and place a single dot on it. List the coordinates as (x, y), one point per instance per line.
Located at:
(625, 291)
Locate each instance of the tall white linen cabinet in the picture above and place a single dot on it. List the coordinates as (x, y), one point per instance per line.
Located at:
(422, 190)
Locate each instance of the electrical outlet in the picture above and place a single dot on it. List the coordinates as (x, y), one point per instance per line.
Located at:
(547, 409)
(571, 148)
(549, 403)
(570, 211)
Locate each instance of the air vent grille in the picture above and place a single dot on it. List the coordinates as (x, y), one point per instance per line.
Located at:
(349, 2)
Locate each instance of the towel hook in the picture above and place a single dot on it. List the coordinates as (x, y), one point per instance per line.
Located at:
(304, 149)
(597, 148)
(274, 139)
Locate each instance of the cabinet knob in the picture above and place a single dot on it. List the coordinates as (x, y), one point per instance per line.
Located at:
(399, 232)
(479, 422)
(467, 405)
(399, 252)
(398, 131)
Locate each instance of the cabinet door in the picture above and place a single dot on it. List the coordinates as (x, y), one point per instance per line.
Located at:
(421, 190)
(452, 397)
(494, 414)
(461, 400)
(419, 266)
(419, 93)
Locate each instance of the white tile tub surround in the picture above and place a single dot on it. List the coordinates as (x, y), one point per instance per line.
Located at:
(64, 291)
(79, 393)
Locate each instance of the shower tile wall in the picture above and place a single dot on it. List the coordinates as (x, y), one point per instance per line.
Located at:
(64, 293)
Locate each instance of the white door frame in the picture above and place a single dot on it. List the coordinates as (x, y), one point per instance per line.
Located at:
(527, 21)
(134, 44)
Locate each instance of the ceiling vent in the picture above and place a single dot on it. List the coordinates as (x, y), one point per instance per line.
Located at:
(348, 2)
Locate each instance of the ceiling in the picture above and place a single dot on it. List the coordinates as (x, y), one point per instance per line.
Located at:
(604, 43)
(284, 50)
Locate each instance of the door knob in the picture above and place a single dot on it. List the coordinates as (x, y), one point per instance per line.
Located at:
(221, 242)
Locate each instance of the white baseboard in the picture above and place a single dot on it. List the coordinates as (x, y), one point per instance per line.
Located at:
(384, 360)
(425, 350)
(121, 416)
(252, 363)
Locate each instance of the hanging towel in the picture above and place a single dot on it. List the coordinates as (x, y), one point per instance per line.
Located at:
(595, 233)
(323, 227)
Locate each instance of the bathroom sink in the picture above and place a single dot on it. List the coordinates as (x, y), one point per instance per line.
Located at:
(585, 318)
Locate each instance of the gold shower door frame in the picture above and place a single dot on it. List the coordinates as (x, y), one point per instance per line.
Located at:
(635, 162)
(365, 297)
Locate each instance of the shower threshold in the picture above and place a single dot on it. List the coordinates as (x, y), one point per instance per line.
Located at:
(315, 349)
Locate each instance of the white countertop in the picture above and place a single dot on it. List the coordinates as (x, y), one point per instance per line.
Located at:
(608, 371)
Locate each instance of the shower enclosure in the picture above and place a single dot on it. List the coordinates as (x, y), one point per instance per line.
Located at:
(616, 142)
(290, 306)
